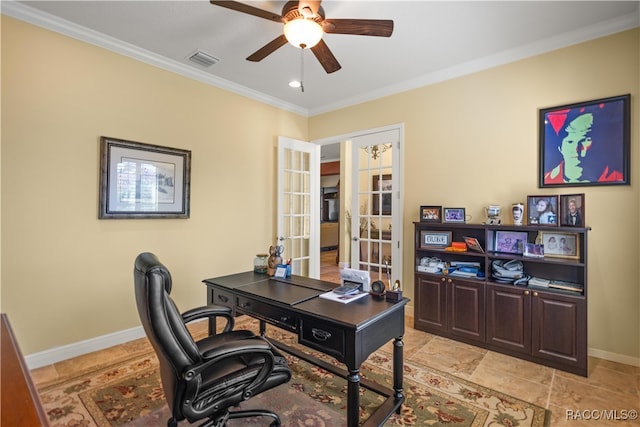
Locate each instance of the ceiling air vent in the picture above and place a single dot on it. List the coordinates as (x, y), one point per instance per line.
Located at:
(203, 59)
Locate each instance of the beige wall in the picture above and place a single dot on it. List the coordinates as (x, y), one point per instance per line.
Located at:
(67, 276)
(473, 141)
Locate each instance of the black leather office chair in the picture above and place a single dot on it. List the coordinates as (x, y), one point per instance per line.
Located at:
(203, 379)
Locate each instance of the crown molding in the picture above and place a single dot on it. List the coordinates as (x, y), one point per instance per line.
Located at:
(592, 32)
(50, 22)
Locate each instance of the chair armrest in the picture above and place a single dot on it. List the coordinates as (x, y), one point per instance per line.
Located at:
(210, 311)
(237, 347)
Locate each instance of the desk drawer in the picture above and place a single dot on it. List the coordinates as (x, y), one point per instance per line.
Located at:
(323, 337)
(223, 298)
(276, 316)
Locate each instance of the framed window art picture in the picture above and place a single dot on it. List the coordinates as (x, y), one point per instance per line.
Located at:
(139, 180)
(586, 143)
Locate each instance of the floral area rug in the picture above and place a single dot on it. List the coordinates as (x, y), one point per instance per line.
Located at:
(129, 394)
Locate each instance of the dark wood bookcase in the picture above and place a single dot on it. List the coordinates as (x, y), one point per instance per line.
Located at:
(542, 325)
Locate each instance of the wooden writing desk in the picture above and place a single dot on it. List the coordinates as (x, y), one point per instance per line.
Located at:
(349, 332)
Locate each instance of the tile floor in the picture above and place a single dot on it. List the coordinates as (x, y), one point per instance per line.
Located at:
(610, 390)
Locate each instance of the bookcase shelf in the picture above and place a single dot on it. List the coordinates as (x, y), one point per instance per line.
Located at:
(539, 324)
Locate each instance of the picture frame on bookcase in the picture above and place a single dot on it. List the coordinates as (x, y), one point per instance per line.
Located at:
(511, 242)
(542, 210)
(572, 210)
(432, 214)
(561, 245)
(454, 215)
(435, 239)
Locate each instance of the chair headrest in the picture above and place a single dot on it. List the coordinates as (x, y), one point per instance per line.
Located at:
(147, 262)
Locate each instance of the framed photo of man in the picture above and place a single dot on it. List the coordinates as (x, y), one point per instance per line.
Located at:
(572, 210)
(586, 143)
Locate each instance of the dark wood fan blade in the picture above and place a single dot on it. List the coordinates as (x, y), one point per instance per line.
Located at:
(326, 58)
(359, 27)
(245, 8)
(268, 49)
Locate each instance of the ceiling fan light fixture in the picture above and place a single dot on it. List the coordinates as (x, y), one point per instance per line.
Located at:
(303, 33)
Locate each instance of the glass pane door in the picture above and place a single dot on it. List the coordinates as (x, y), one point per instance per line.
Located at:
(298, 205)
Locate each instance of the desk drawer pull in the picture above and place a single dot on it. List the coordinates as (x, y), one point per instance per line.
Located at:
(320, 335)
(223, 298)
(245, 304)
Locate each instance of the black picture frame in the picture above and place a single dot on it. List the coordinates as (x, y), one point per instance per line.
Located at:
(454, 215)
(381, 187)
(598, 131)
(139, 180)
(572, 210)
(547, 217)
(432, 214)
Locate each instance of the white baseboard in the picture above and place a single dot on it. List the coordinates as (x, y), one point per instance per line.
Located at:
(58, 354)
(614, 357)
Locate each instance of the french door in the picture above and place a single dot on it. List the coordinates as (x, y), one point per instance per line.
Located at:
(376, 217)
(298, 195)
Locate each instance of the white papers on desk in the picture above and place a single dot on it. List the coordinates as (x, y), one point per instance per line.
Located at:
(343, 299)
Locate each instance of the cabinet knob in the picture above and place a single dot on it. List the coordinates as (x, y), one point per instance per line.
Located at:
(448, 280)
(442, 280)
(526, 292)
(535, 294)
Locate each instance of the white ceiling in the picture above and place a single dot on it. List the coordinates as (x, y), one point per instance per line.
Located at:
(432, 41)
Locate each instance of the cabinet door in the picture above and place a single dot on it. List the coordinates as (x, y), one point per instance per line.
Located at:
(466, 309)
(430, 306)
(558, 328)
(509, 318)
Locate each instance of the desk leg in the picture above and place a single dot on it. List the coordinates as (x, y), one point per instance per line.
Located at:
(353, 397)
(398, 364)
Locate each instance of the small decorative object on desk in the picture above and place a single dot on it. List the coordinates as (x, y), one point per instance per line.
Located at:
(275, 258)
(260, 263)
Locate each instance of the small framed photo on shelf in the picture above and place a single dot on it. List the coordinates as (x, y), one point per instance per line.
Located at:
(572, 210)
(533, 250)
(511, 242)
(434, 239)
(561, 245)
(473, 244)
(431, 214)
(542, 210)
(454, 215)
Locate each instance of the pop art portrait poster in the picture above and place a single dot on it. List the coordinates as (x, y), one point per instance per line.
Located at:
(585, 143)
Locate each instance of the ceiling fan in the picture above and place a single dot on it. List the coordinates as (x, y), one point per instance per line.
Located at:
(304, 25)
